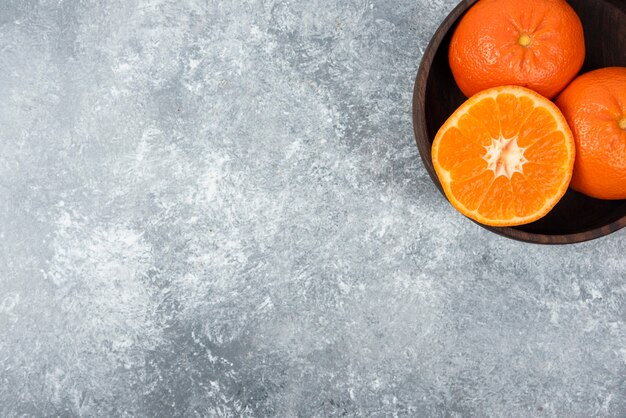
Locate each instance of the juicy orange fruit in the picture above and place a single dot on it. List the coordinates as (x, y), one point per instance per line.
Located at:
(594, 105)
(537, 44)
(505, 157)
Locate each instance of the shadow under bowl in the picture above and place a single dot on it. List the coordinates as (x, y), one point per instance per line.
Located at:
(576, 217)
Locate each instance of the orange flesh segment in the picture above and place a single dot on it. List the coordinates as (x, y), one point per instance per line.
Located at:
(533, 200)
(505, 157)
(539, 124)
(456, 146)
(500, 191)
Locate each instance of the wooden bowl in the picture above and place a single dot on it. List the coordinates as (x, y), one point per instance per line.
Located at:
(576, 217)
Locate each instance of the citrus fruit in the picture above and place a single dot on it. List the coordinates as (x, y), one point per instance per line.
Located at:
(537, 44)
(505, 156)
(594, 105)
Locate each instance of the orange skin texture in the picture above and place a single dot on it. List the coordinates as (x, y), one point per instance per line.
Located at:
(594, 104)
(486, 48)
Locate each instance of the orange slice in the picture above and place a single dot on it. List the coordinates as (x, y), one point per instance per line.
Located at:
(505, 157)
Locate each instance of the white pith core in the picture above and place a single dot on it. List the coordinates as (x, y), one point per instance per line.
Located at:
(505, 157)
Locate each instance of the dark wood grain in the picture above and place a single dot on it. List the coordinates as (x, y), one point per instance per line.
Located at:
(576, 217)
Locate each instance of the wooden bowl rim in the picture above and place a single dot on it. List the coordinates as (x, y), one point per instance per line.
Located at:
(423, 143)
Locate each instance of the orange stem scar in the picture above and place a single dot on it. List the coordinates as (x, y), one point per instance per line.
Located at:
(525, 40)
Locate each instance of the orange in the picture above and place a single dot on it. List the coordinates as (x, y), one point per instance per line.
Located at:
(537, 44)
(505, 156)
(594, 105)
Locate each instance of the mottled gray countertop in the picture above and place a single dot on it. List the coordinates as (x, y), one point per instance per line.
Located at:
(216, 208)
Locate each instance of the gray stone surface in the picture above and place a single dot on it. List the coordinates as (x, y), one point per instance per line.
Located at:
(216, 208)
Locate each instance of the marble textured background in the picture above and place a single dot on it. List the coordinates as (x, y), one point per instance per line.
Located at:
(216, 208)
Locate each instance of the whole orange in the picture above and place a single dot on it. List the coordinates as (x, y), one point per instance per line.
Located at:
(537, 44)
(594, 106)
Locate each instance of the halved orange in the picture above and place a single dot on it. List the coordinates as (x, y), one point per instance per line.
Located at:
(505, 157)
